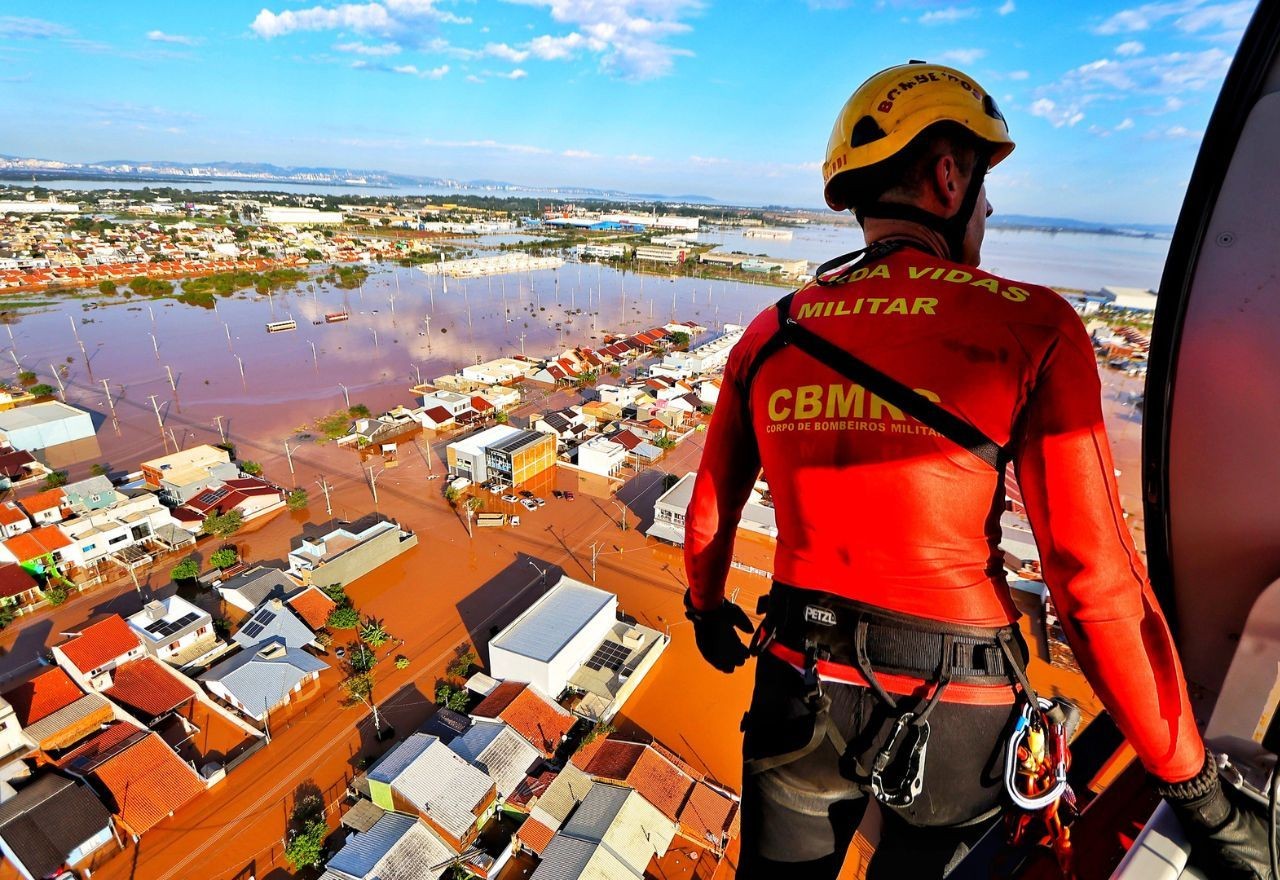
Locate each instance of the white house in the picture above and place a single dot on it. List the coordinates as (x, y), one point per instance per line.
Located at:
(168, 628)
(600, 455)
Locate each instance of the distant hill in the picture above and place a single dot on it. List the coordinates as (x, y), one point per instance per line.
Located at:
(1066, 224)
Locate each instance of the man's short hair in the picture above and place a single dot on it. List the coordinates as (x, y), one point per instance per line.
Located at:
(909, 171)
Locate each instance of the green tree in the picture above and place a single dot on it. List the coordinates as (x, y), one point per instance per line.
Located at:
(373, 633)
(54, 479)
(98, 470)
(26, 377)
(252, 468)
(343, 618)
(306, 847)
(452, 494)
(402, 662)
(223, 525)
(186, 570)
(358, 411)
(55, 593)
(680, 339)
(337, 594)
(360, 659)
(43, 390)
(107, 287)
(501, 417)
(224, 558)
(312, 254)
(297, 499)
(452, 698)
(7, 615)
(666, 441)
(461, 666)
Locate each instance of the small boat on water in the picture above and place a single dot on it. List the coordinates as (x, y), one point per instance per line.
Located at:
(335, 317)
(281, 326)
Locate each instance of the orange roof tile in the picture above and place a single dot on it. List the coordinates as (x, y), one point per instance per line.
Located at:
(42, 696)
(36, 543)
(582, 757)
(533, 716)
(313, 606)
(99, 643)
(46, 500)
(660, 782)
(147, 781)
(146, 686)
(708, 814)
(10, 514)
(15, 580)
(614, 760)
(101, 744)
(535, 835)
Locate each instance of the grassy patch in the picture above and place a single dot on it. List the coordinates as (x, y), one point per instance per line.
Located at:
(334, 425)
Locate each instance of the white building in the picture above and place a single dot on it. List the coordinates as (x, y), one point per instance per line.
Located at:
(600, 455)
(499, 370)
(467, 456)
(670, 508)
(42, 425)
(706, 358)
(602, 251)
(168, 628)
(651, 254)
(300, 216)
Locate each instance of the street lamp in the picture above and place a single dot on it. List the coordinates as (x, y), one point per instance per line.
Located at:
(622, 507)
(345, 395)
(541, 572)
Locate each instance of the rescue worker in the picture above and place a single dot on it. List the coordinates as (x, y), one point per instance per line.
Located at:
(890, 666)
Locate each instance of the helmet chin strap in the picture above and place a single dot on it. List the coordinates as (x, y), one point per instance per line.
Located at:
(952, 229)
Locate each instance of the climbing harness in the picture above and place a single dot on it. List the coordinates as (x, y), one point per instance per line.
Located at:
(1035, 766)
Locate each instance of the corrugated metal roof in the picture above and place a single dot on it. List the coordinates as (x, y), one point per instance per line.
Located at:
(499, 751)
(273, 619)
(598, 811)
(260, 680)
(553, 620)
(437, 781)
(566, 791)
(564, 859)
(362, 852)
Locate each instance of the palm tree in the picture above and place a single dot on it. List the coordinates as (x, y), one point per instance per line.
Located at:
(373, 634)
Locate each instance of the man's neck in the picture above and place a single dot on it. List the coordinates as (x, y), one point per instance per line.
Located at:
(929, 240)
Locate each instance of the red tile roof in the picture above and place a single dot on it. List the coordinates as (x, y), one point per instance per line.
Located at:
(100, 643)
(660, 782)
(439, 415)
(708, 814)
(36, 543)
(532, 787)
(627, 440)
(43, 695)
(613, 760)
(11, 514)
(313, 606)
(46, 500)
(146, 686)
(15, 580)
(533, 716)
(535, 835)
(147, 781)
(101, 745)
(479, 404)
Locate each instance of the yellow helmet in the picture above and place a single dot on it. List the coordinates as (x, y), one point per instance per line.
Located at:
(892, 107)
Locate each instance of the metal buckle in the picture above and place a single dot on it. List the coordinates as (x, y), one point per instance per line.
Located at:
(1055, 742)
(904, 793)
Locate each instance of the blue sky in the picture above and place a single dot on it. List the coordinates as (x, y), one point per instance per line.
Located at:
(729, 98)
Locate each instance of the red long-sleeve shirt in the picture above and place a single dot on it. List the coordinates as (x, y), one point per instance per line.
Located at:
(873, 506)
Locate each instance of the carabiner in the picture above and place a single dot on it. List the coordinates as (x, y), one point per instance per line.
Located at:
(1055, 750)
(912, 782)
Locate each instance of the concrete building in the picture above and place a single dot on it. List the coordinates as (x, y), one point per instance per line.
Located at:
(181, 476)
(602, 251)
(600, 455)
(263, 677)
(708, 357)
(1133, 299)
(502, 452)
(453, 403)
(278, 216)
(345, 554)
(670, 507)
(614, 833)
(250, 589)
(499, 371)
(174, 630)
(571, 640)
(51, 823)
(395, 847)
(651, 254)
(90, 656)
(42, 425)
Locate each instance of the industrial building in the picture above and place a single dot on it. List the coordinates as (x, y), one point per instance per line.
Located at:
(651, 254)
(42, 425)
(300, 217)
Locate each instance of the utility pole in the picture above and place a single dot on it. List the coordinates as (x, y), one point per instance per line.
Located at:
(314, 357)
(375, 338)
(57, 378)
(288, 454)
(595, 554)
(522, 335)
(373, 486)
(172, 384)
(623, 508)
(111, 404)
(324, 485)
(221, 433)
(241, 364)
(156, 407)
(345, 396)
(417, 373)
(74, 331)
(155, 344)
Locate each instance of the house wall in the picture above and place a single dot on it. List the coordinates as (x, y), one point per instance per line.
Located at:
(552, 677)
(527, 463)
(363, 559)
(17, 528)
(64, 429)
(13, 860)
(86, 849)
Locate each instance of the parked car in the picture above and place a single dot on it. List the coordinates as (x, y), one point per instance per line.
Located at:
(510, 499)
(556, 493)
(515, 520)
(540, 501)
(529, 504)
(525, 493)
(568, 496)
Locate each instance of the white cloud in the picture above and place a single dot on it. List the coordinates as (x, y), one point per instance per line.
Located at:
(962, 56)
(1190, 16)
(580, 154)
(629, 36)
(1007, 8)
(412, 70)
(385, 17)
(472, 78)
(162, 37)
(1125, 124)
(636, 158)
(486, 145)
(949, 15)
(506, 53)
(1130, 48)
(14, 27)
(376, 50)
(1019, 74)
(1173, 133)
(708, 160)
(1057, 116)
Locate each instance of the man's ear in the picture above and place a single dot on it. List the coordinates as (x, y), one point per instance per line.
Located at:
(946, 181)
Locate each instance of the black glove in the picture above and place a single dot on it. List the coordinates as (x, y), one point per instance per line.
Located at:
(714, 631)
(1228, 834)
